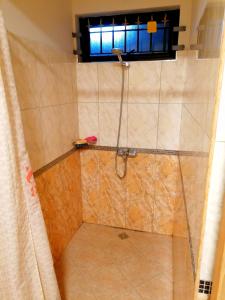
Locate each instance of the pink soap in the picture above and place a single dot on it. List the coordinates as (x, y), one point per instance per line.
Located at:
(91, 139)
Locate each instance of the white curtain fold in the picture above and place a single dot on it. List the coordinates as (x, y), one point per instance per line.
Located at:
(26, 265)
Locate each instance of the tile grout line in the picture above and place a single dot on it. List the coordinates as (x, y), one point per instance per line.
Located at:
(126, 186)
(155, 159)
(48, 106)
(98, 106)
(188, 224)
(160, 87)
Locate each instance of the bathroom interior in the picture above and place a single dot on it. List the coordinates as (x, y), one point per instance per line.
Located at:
(134, 211)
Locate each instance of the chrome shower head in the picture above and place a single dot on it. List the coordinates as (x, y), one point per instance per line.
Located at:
(118, 52)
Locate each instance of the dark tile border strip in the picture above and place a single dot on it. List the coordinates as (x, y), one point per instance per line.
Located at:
(205, 287)
(109, 148)
(54, 162)
(152, 151)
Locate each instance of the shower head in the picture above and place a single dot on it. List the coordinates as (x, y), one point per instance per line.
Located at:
(118, 52)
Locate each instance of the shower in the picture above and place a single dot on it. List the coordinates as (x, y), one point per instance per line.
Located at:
(124, 153)
(118, 52)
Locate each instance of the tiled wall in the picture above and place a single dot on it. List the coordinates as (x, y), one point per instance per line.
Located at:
(196, 123)
(45, 84)
(153, 99)
(195, 135)
(60, 197)
(145, 200)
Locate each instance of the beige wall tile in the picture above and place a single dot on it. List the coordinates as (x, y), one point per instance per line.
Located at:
(142, 125)
(198, 112)
(110, 80)
(45, 79)
(26, 72)
(200, 80)
(109, 122)
(65, 79)
(192, 135)
(88, 120)
(87, 82)
(56, 84)
(47, 83)
(144, 82)
(172, 81)
(52, 132)
(169, 126)
(33, 136)
(68, 126)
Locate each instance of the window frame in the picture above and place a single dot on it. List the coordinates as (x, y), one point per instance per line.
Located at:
(156, 15)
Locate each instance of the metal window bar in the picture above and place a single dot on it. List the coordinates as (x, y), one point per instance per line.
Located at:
(150, 49)
(138, 39)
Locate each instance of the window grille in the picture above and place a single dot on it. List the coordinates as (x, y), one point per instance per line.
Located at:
(129, 33)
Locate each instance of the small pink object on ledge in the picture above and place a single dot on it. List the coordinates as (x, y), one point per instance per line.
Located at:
(91, 139)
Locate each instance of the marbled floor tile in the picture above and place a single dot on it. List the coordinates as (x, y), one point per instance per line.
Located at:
(160, 288)
(90, 185)
(112, 198)
(60, 197)
(168, 192)
(140, 192)
(183, 286)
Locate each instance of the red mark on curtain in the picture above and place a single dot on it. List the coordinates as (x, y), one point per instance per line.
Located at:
(30, 181)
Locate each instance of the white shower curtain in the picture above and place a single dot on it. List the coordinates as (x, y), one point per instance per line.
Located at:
(26, 265)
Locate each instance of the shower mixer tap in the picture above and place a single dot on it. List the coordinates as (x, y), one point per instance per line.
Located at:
(127, 152)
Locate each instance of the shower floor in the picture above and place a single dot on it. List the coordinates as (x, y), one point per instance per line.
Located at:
(106, 263)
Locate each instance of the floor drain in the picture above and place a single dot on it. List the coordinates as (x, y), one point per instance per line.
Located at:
(123, 236)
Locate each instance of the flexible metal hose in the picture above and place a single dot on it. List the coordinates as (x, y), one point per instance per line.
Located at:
(125, 156)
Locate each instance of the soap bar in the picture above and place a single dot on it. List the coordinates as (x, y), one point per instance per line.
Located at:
(91, 139)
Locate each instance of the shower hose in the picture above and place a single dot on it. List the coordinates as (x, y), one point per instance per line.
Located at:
(124, 155)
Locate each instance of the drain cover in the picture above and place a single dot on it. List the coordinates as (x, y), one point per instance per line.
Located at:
(123, 236)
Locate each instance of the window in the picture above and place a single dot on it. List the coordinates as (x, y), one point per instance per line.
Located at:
(129, 33)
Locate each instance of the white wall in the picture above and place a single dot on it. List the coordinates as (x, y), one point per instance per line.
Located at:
(42, 21)
(216, 194)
